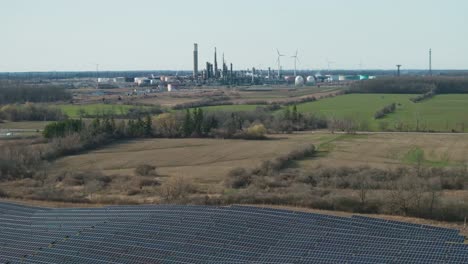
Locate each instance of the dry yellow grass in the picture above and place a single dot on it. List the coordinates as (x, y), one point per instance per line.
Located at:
(206, 161)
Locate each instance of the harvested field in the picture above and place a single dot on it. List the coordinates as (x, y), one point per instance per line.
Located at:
(206, 161)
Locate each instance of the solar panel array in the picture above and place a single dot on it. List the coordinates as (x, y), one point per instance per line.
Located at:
(203, 234)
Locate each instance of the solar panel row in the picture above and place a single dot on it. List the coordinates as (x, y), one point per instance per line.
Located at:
(202, 234)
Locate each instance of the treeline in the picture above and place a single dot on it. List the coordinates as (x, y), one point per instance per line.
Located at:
(242, 178)
(19, 92)
(385, 111)
(31, 112)
(224, 100)
(71, 136)
(120, 112)
(412, 85)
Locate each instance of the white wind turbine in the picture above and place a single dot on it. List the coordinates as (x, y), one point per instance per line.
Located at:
(296, 59)
(279, 63)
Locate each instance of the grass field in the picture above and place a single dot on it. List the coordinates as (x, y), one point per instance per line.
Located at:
(207, 161)
(389, 150)
(230, 108)
(74, 110)
(24, 125)
(441, 113)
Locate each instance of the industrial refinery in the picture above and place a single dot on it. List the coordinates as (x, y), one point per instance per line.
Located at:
(220, 72)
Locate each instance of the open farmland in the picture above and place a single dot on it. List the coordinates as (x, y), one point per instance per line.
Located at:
(230, 107)
(441, 113)
(207, 161)
(388, 150)
(24, 125)
(202, 171)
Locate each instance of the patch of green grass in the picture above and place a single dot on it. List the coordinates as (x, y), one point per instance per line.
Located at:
(441, 113)
(416, 155)
(230, 108)
(73, 111)
(327, 143)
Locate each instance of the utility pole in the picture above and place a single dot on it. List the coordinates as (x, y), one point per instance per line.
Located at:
(97, 76)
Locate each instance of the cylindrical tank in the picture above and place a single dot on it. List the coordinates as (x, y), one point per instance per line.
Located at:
(289, 79)
(299, 81)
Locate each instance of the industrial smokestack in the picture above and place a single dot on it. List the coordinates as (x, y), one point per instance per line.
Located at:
(195, 61)
(215, 65)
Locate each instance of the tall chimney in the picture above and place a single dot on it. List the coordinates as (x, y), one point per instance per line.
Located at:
(195, 61)
(215, 65)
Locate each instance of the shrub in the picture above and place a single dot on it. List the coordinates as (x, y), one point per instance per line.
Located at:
(176, 188)
(63, 128)
(385, 111)
(424, 96)
(145, 170)
(3, 194)
(255, 132)
(133, 192)
(238, 178)
(148, 182)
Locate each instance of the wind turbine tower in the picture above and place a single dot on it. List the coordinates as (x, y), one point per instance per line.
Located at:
(279, 63)
(296, 58)
(430, 62)
(329, 62)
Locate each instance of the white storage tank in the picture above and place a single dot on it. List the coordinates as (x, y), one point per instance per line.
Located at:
(299, 81)
(310, 80)
(171, 87)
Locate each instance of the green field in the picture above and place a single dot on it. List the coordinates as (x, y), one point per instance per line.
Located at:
(230, 108)
(441, 113)
(73, 111)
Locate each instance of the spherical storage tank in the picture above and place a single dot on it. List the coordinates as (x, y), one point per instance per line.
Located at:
(310, 80)
(299, 81)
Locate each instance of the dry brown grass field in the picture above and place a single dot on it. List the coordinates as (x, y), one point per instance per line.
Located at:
(207, 161)
(24, 125)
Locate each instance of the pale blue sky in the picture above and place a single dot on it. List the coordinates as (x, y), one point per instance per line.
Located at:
(155, 35)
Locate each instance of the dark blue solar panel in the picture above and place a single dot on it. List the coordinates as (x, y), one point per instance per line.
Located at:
(202, 234)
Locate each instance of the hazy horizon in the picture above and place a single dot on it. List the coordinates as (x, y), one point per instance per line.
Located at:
(52, 35)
